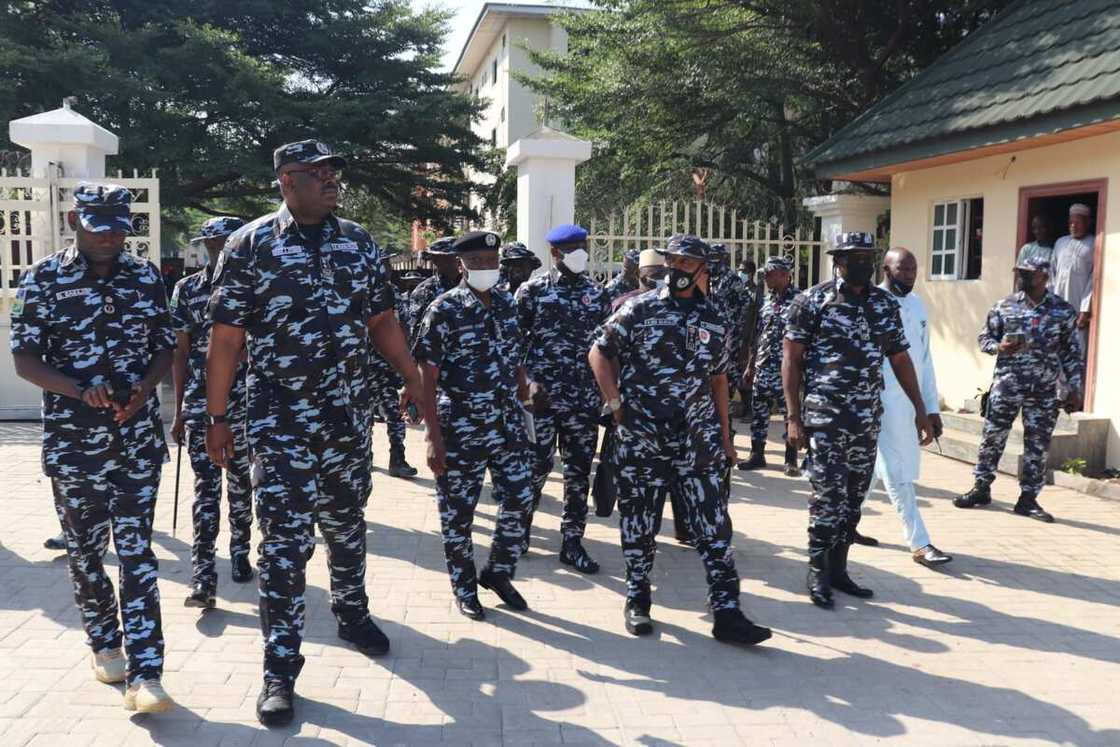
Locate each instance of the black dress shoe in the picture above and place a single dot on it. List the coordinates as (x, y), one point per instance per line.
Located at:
(978, 496)
(1032, 510)
(365, 635)
(638, 621)
(275, 703)
(732, 626)
(470, 607)
(56, 543)
(931, 557)
(501, 586)
(242, 570)
(200, 597)
(574, 554)
(860, 539)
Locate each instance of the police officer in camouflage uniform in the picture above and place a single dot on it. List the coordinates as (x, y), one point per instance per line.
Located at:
(386, 383)
(470, 351)
(661, 364)
(837, 336)
(90, 327)
(627, 280)
(731, 295)
(307, 293)
(445, 277)
(1033, 334)
(192, 332)
(559, 313)
(764, 374)
(517, 265)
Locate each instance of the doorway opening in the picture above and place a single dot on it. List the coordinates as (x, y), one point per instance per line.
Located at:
(1050, 203)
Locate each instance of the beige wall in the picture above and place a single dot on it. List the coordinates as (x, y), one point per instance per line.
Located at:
(958, 307)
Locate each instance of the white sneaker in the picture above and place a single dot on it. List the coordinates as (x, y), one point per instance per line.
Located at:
(147, 697)
(108, 666)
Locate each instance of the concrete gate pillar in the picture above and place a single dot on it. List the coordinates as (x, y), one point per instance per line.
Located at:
(546, 163)
(843, 213)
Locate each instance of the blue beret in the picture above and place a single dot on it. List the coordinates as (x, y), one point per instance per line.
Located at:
(567, 233)
(476, 241)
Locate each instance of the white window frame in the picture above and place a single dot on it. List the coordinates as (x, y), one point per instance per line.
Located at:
(943, 229)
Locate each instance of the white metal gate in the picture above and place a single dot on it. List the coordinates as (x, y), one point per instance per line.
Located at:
(33, 225)
(33, 219)
(649, 226)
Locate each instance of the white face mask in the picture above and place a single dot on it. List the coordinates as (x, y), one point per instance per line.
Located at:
(576, 261)
(483, 280)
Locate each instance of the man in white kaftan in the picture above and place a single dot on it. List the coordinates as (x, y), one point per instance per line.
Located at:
(1071, 271)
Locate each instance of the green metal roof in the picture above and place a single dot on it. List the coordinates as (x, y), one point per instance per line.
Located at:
(1040, 67)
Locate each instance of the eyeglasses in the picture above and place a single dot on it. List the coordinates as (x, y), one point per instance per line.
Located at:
(323, 173)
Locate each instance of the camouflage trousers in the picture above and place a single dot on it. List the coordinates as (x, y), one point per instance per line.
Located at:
(206, 511)
(457, 493)
(122, 504)
(840, 465)
(577, 433)
(765, 392)
(1040, 413)
(641, 491)
(298, 483)
(388, 410)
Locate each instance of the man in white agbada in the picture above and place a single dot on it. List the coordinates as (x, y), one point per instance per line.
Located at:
(1071, 271)
(899, 455)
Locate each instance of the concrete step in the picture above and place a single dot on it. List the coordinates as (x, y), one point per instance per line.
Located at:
(965, 447)
(968, 422)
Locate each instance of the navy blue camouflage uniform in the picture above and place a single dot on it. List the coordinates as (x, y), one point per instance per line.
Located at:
(731, 296)
(559, 315)
(766, 388)
(667, 350)
(105, 477)
(421, 298)
(846, 337)
(1026, 381)
(620, 285)
(387, 383)
(477, 351)
(189, 316)
(304, 302)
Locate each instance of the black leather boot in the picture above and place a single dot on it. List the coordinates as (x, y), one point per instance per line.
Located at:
(841, 581)
(979, 496)
(820, 590)
(792, 470)
(398, 467)
(757, 459)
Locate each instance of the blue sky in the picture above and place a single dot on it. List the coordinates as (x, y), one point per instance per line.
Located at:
(466, 11)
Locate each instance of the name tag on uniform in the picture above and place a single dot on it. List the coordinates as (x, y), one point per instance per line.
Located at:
(72, 293)
(658, 323)
(345, 245)
(717, 328)
(284, 251)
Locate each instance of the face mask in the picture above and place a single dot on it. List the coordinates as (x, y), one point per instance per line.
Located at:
(901, 288)
(576, 261)
(1024, 280)
(859, 272)
(483, 280)
(679, 280)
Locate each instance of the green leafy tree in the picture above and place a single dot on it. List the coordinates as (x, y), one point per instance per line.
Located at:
(205, 90)
(719, 98)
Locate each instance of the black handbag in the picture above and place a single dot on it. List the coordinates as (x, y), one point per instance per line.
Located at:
(603, 489)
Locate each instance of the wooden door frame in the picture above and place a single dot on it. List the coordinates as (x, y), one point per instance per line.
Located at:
(1057, 189)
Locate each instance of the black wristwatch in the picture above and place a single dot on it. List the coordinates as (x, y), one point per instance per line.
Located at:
(215, 419)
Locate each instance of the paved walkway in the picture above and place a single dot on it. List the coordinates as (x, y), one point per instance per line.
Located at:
(1018, 643)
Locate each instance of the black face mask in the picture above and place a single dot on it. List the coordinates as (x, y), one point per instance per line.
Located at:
(901, 288)
(1024, 280)
(680, 281)
(859, 272)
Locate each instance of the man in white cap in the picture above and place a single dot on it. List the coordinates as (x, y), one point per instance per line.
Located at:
(1071, 277)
